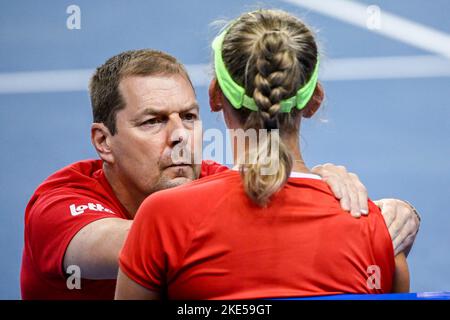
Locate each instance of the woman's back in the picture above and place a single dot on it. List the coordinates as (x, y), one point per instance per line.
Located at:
(208, 240)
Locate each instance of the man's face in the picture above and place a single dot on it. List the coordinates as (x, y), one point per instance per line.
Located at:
(158, 111)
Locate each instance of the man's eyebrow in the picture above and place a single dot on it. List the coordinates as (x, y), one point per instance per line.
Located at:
(153, 112)
(191, 106)
(146, 111)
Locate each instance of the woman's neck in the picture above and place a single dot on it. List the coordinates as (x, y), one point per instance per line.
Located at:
(298, 164)
(292, 144)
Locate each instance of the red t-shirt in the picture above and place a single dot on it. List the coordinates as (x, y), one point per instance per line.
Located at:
(207, 240)
(61, 206)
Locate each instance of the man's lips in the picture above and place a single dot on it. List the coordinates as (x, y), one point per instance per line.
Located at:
(178, 165)
(179, 170)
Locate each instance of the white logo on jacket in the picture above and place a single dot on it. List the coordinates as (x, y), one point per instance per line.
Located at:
(77, 210)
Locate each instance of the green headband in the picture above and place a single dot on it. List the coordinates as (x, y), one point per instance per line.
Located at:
(236, 94)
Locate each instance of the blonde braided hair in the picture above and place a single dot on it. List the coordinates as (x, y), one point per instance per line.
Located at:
(271, 54)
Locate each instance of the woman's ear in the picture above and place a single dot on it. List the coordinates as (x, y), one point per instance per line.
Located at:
(215, 96)
(101, 140)
(314, 103)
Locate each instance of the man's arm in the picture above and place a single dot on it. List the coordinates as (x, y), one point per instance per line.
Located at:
(95, 248)
(401, 218)
(402, 221)
(346, 187)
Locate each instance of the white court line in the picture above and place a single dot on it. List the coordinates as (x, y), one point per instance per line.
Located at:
(73, 80)
(393, 26)
(331, 70)
(45, 81)
(385, 68)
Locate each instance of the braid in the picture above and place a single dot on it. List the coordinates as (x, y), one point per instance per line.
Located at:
(276, 71)
(271, 54)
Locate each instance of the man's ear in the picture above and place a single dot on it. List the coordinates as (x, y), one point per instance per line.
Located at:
(215, 96)
(101, 140)
(315, 102)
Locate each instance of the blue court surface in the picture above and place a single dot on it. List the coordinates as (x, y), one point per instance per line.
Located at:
(386, 72)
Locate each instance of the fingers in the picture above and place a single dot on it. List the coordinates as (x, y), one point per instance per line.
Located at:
(396, 227)
(362, 195)
(331, 178)
(340, 191)
(401, 222)
(337, 183)
(346, 187)
(402, 240)
(350, 188)
(353, 199)
(406, 236)
(345, 201)
(409, 215)
(406, 245)
(379, 203)
(319, 169)
(388, 210)
(403, 219)
(334, 186)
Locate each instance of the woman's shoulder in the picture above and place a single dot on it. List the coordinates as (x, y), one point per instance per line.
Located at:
(193, 197)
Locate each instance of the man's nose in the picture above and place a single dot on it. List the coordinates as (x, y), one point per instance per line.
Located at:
(177, 133)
